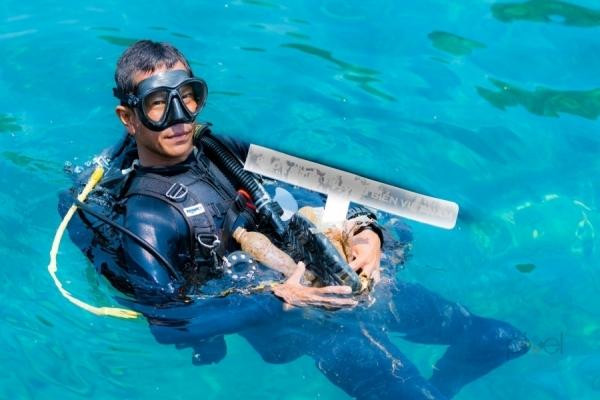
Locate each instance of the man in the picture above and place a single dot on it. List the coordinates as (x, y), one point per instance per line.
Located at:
(184, 207)
(166, 152)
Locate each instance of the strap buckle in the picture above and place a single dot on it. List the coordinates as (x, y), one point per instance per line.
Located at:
(177, 192)
(211, 246)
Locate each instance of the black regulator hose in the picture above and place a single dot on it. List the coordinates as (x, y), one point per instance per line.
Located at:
(314, 248)
(265, 207)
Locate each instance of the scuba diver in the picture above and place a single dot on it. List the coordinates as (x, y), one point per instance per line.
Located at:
(160, 230)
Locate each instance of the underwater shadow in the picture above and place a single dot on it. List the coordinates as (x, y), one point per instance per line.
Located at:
(548, 11)
(361, 76)
(543, 101)
(453, 44)
(118, 40)
(29, 163)
(9, 124)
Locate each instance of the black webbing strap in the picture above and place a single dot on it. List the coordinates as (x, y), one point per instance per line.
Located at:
(197, 215)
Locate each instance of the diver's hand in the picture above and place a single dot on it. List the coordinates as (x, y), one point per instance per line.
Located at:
(295, 294)
(366, 250)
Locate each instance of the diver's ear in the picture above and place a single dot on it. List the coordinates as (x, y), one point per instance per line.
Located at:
(127, 117)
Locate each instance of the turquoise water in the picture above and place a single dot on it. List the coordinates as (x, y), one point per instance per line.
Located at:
(492, 105)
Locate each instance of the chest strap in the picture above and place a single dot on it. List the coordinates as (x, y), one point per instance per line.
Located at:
(207, 242)
(199, 216)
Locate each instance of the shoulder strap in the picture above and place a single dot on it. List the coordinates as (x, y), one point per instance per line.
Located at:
(212, 175)
(197, 215)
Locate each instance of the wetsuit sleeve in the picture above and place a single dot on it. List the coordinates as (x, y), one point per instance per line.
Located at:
(162, 227)
(206, 318)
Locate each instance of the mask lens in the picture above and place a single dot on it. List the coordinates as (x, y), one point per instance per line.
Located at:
(155, 105)
(192, 96)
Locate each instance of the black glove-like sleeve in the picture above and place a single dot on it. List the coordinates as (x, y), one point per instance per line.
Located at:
(356, 210)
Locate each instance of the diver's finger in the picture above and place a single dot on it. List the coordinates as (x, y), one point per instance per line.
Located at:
(331, 302)
(376, 276)
(335, 290)
(370, 267)
(358, 263)
(297, 274)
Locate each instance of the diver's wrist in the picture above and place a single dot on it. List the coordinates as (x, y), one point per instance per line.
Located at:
(374, 227)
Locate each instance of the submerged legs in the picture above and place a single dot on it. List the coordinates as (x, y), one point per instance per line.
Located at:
(476, 345)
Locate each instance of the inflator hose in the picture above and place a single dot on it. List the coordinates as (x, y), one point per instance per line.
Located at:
(331, 269)
(53, 267)
(264, 205)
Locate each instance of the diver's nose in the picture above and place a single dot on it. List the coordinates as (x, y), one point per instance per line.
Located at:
(177, 114)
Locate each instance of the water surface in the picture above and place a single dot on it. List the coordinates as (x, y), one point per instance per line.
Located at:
(490, 104)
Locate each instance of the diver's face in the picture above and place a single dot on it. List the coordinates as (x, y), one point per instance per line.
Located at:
(166, 147)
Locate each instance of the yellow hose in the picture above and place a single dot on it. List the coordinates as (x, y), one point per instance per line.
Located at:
(52, 267)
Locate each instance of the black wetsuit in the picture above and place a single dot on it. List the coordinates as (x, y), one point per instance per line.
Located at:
(165, 228)
(350, 347)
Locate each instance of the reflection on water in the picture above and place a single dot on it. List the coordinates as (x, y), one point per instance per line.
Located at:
(12, 35)
(543, 101)
(453, 44)
(118, 40)
(547, 11)
(9, 124)
(362, 76)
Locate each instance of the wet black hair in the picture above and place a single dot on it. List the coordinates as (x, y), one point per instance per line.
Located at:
(145, 56)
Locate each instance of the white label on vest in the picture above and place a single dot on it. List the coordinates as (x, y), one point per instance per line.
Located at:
(194, 210)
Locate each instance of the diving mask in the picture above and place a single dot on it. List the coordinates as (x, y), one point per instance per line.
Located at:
(166, 99)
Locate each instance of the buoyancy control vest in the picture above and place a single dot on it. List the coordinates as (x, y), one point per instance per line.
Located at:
(210, 223)
(208, 203)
